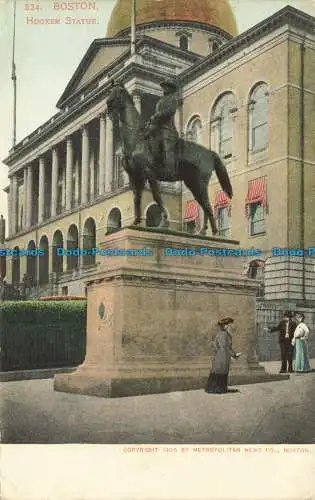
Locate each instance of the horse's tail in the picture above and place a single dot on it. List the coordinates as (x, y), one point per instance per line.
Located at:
(222, 175)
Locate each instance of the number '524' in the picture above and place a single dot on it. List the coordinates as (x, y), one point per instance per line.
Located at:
(31, 6)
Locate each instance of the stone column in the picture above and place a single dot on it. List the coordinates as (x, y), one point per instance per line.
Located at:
(14, 203)
(10, 209)
(25, 198)
(92, 172)
(29, 208)
(137, 102)
(63, 203)
(77, 183)
(102, 153)
(41, 190)
(54, 182)
(109, 154)
(69, 174)
(85, 166)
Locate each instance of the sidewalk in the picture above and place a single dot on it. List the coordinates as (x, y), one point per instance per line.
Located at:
(270, 412)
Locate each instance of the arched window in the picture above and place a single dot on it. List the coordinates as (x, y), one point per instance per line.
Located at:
(72, 244)
(184, 42)
(31, 264)
(258, 119)
(44, 261)
(16, 267)
(256, 271)
(222, 125)
(154, 216)
(194, 130)
(114, 221)
(57, 252)
(89, 241)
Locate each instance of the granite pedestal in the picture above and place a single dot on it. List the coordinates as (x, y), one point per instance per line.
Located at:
(151, 319)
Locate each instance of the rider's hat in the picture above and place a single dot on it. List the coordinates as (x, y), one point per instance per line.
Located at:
(169, 84)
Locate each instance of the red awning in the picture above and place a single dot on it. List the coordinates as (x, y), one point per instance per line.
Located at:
(257, 263)
(221, 200)
(257, 192)
(191, 211)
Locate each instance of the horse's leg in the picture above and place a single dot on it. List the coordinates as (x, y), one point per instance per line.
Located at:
(208, 212)
(157, 198)
(137, 206)
(199, 188)
(138, 184)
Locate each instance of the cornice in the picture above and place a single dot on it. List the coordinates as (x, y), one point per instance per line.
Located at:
(130, 277)
(112, 67)
(286, 16)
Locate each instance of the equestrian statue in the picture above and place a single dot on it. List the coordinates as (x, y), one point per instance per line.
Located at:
(154, 152)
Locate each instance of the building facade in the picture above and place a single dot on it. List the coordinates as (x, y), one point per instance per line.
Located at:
(248, 96)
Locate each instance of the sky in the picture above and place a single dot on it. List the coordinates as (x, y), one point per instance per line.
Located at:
(47, 55)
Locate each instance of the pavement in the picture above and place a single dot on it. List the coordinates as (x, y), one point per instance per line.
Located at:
(281, 412)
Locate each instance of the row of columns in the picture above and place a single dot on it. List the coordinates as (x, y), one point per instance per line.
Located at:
(106, 155)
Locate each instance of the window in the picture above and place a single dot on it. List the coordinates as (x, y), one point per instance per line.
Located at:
(64, 290)
(194, 130)
(258, 119)
(226, 132)
(184, 42)
(223, 222)
(256, 272)
(256, 219)
(213, 45)
(190, 227)
(153, 216)
(222, 120)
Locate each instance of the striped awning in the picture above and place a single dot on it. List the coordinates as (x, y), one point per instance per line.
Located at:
(256, 193)
(191, 212)
(221, 200)
(257, 263)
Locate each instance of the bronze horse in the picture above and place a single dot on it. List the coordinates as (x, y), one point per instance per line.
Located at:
(195, 163)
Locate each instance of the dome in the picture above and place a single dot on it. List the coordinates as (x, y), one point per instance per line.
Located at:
(216, 13)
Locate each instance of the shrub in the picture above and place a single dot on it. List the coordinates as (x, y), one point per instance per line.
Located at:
(63, 297)
(42, 334)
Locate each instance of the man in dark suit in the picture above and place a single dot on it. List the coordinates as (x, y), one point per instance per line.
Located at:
(286, 329)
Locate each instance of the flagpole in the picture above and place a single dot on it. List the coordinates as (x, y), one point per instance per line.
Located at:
(133, 27)
(13, 76)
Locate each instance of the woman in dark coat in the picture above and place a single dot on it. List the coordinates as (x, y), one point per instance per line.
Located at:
(218, 378)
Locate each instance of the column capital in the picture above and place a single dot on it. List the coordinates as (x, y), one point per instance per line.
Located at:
(84, 128)
(69, 138)
(102, 114)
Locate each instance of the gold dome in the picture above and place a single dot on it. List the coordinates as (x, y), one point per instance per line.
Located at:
(216, 13)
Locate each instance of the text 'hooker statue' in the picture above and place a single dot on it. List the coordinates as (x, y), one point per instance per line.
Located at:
(154, 152)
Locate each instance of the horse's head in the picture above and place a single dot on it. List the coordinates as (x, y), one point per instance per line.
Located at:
(116, 101)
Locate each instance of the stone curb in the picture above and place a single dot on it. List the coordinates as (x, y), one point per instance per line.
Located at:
(14, 376)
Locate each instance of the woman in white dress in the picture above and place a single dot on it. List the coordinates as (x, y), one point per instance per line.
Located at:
(301, 361)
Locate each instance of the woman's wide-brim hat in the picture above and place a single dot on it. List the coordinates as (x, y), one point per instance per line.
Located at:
(168, 84)
(226, 321)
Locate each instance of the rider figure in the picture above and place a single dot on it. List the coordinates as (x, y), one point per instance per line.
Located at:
(161, 127)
